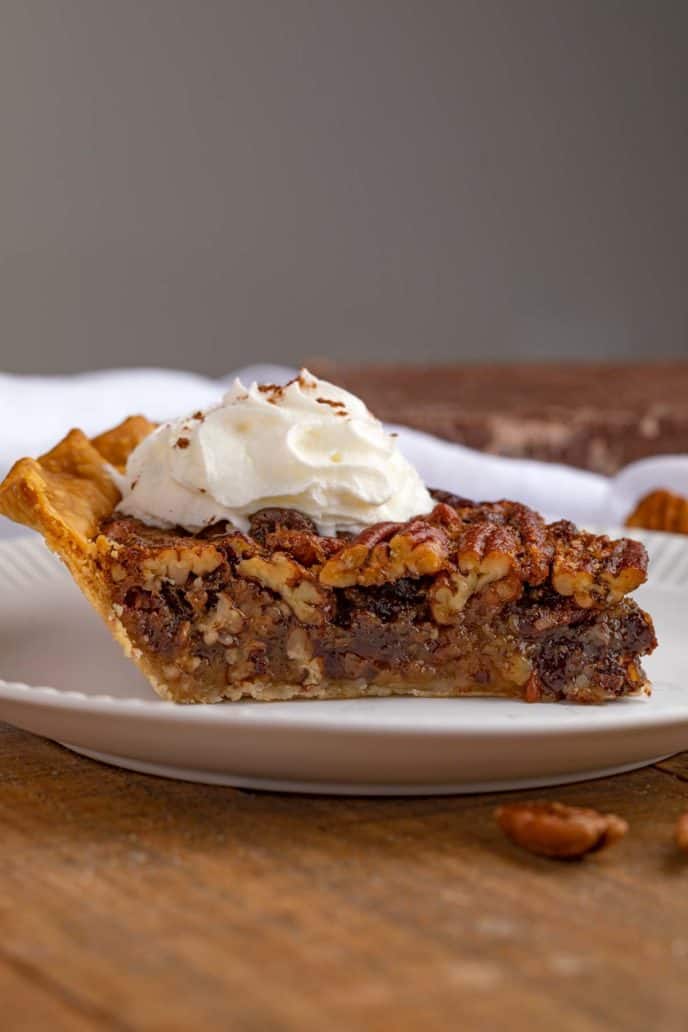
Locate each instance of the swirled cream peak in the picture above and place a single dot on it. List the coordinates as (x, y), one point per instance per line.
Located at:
(307, 445)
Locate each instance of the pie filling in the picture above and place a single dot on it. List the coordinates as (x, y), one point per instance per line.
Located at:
(470, 599)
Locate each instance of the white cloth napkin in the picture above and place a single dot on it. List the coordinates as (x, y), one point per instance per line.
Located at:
(37, 411)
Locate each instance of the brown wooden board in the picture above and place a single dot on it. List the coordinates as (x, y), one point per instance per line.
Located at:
(595, 416)
(132, 902)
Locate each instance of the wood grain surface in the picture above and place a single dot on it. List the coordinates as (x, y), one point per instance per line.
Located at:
(132, 902)
(129, 902)
(599, 416)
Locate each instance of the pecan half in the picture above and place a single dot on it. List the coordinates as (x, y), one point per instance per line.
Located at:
(661, 510)
(509, 530)
(559, 831)
(594, 570)
(385, 553)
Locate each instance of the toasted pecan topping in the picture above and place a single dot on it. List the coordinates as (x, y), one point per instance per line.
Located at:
(450, 591)
(388, 552)
(512, 530)
(444, 515)
(492, 549)
(593, 569)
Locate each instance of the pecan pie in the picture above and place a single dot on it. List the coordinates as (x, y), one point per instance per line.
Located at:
(467, 599)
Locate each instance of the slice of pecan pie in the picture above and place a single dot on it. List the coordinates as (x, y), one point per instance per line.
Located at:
(469, 599)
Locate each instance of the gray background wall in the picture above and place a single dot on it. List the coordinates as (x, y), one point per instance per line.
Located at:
(203, 183)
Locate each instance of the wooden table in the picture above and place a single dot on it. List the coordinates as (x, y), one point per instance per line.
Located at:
(131, 902)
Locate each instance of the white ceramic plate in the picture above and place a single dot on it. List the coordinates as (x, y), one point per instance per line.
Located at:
(67, 680)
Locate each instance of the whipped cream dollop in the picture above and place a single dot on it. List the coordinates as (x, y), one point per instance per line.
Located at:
(307, 445)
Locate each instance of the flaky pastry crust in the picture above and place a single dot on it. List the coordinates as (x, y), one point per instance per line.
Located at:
(65, 494)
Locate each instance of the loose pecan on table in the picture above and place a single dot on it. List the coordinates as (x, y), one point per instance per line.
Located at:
(559, 831)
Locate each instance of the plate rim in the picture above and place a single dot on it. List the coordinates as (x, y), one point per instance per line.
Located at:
(348, 788)
(257, 716)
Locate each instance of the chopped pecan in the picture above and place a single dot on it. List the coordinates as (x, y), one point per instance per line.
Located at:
(222, 622)
(559, 831)
(681, 832)
(292, 582)
(300, 649)
(385, 553)
(449, 594)
(177, 564)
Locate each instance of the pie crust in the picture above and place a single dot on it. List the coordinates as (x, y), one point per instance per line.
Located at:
(471, 599)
